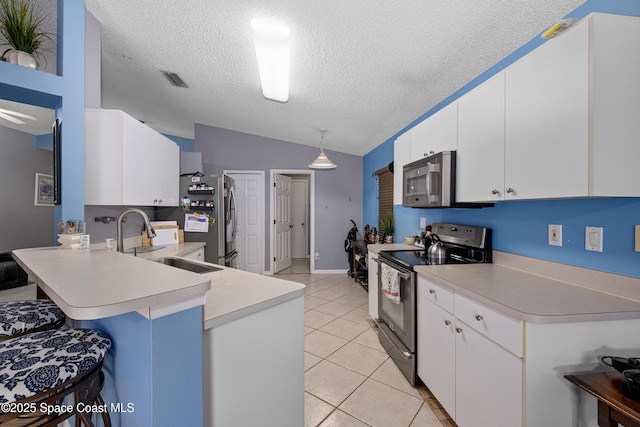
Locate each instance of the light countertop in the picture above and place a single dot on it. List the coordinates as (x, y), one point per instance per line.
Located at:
(98, 283)
(235, 293)
(532, 297)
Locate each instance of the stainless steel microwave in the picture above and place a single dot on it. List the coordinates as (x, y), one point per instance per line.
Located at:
(430, 182)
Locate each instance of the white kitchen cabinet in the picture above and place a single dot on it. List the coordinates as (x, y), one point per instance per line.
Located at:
(372, 271)
(488, 382)
(547, 121)
(437, 352)
(436, 133)
(401, 156)
(571, 113)
(560, 122)
(480, 155)
(463, 361)
(128, 163)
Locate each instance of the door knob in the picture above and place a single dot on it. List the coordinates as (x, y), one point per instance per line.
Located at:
(459, 330)
(447, 322)
(478, 317)
(510, 190)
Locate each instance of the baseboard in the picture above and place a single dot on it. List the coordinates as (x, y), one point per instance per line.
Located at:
(329, 272)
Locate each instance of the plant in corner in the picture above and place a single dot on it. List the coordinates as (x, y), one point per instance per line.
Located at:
(20, 26)
(387, 227)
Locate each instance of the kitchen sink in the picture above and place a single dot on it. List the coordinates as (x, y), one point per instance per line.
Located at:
(187, 265)
(143, 249)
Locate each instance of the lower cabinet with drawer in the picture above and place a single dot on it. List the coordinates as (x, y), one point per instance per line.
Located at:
(469, 358)
(489, 369)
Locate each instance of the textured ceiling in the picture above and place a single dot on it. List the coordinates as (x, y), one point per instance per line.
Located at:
(361, 69)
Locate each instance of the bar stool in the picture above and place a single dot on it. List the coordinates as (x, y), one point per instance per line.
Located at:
(22, 317)
(38, 370)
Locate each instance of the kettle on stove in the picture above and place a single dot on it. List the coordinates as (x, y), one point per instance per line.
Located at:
(438, 253)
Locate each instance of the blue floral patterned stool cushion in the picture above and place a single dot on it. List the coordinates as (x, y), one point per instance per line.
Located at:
(41, 361)
(20, 317)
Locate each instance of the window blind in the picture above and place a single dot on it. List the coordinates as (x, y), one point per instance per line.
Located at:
(385, 194)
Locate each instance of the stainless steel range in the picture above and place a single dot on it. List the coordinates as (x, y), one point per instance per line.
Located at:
(463, 244)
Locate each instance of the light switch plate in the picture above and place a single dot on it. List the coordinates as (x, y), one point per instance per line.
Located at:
(555, 234)
(637, 238)
(593, 239)
(423, 223)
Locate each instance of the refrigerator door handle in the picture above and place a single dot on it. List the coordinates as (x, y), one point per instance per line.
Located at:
(232, 208)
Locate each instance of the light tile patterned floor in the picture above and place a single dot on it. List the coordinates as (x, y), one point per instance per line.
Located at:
(350, 381)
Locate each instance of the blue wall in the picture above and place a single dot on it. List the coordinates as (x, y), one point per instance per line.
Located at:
(185, 144)
(521, 227)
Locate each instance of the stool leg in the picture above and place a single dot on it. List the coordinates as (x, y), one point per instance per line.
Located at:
(106, 419)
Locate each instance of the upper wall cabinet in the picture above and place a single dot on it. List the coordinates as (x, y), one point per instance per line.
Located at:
(128, 163)
(437, 133)
(569, 124)
(480, 155)
(547, 119)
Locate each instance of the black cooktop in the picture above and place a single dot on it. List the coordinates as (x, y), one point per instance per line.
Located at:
(411, 258)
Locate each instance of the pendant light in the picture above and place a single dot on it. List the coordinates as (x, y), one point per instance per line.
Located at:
(322, 162)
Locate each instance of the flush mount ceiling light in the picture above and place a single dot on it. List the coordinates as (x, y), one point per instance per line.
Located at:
(12, 116)
(271, 41)
(322, 162)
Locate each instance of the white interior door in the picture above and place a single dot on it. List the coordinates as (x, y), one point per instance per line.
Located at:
(282, 223)
(249, 194)
(299, 218)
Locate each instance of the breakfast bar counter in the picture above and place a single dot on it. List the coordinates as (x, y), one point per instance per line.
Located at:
(99, 283)
(174, 329)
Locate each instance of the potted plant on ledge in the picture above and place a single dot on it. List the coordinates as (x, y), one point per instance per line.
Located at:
(20, 26)
(387, 227)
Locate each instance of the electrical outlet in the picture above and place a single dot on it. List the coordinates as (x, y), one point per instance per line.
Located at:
(637, 238)
(593, 238)
(555, 234)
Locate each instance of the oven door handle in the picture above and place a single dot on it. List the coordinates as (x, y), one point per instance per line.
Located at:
(400, 273)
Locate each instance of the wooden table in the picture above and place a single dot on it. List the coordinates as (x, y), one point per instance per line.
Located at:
(613, 406)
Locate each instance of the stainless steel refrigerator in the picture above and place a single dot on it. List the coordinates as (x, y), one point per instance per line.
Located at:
(207, 199)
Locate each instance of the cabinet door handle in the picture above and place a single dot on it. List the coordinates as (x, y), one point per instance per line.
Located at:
(432, 291)
(478, 317)
(495, 192)
(510, 190)
(159, 200)
(155, 201)
(447, 322)
(459, 330)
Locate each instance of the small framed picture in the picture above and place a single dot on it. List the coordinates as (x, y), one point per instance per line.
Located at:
(44, 190)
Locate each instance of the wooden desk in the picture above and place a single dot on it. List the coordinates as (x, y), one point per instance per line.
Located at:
(613, 406)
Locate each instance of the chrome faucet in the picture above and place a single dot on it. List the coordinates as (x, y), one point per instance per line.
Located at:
(121, 218)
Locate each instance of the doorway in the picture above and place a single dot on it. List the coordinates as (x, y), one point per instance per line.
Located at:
(292, 236)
